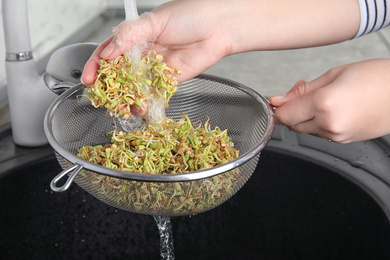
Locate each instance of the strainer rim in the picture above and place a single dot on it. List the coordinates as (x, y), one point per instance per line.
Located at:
(195, 175)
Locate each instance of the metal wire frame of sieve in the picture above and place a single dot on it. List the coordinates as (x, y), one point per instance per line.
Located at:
(72, 122)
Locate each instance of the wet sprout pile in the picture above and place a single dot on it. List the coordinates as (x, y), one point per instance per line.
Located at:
(124, 82)
(170, 147)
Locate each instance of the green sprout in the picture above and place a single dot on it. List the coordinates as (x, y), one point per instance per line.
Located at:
(124, 82)
(168, 147)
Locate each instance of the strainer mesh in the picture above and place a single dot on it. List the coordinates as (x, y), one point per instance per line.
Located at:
(75, 123)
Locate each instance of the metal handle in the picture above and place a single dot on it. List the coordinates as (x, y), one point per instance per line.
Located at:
(56, 85)
(74, 170)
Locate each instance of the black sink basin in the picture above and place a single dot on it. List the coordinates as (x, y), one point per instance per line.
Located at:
(290, 209)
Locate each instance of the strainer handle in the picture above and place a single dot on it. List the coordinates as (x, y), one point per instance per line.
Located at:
(74, 170)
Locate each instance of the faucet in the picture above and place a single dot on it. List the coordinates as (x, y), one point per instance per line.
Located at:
(28, 95)
(31, 94)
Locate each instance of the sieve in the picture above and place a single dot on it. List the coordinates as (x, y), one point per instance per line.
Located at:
(72, 122)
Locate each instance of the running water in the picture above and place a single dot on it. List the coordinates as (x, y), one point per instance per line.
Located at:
(156, 105)
(131, 124)
(131, 13)
(131, 10)
(166, 238)
(156, 111)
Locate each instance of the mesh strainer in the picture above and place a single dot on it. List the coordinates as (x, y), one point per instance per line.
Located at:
(72, 122)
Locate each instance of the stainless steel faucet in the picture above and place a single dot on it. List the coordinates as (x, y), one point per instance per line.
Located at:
(30, 94)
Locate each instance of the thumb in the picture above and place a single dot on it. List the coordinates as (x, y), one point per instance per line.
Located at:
(301, 88)
(298, 90)
(92, 65)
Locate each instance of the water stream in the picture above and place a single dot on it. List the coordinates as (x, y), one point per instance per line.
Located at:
(131, 10)
(156, 104)
(156, 108)
(166, 237)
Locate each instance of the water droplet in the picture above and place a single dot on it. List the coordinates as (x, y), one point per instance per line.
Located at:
(357, 164)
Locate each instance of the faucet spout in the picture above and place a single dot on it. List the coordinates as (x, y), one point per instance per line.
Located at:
(28, 96)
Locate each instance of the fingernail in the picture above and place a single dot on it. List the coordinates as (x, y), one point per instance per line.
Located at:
(277, 97)
(86, 79)
(107, 51)
(82, 80)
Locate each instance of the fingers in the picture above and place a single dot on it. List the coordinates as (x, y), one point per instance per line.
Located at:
(301, 88)
(296, 85)
(295, 112)
(127, 34)
(130, 34)
(111, 51)
(306, 107)
(137, 111)
(92, 65)
(279, 100)
(90, 68)
(305, 115)
(298, 105)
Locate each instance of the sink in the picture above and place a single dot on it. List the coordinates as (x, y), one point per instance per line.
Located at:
(308, 199)
(291, 208)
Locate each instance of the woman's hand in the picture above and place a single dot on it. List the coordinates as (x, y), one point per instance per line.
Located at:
(190, 35)
(194, 35)
(346, 104)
